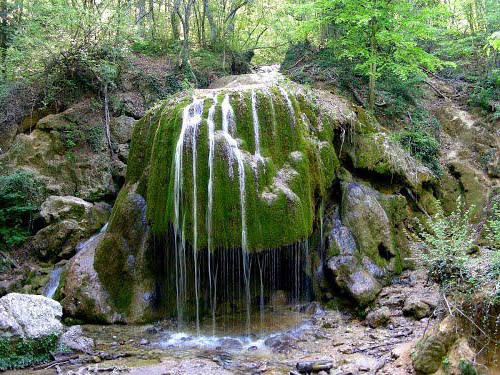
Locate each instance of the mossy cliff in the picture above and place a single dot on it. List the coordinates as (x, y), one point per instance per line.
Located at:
(295, 164)
(255, 162)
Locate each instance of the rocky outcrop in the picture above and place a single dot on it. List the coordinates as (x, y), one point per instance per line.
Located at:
(366, 243)
(29, 316)
(67, 152)
(265, 158)
(91, 289)
(81, 293)
(70, 220)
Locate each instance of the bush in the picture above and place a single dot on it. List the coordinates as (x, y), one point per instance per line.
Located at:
(447, 242)
(19, 353)
(493, 228)
(422, 146)
(20, 198)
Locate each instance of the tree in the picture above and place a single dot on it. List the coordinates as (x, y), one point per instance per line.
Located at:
(378, 35)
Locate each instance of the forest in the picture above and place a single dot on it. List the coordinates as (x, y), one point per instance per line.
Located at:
(271, 186)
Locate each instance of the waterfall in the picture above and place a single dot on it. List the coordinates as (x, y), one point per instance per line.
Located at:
(255, 118)
(211, 151)
(234, 151)
(289, 104)
(191, 120)
(55, 276)
(224, 275)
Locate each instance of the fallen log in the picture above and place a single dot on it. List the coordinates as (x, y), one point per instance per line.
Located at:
(314, 366)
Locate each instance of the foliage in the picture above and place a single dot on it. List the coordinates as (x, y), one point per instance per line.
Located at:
(20, 353)
(493, 227)
(377, 36)
(447, 241)
(20, 198)
(421, 145)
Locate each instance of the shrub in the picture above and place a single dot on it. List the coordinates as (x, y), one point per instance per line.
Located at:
(422, 146)
(19, 353)
(447, 241)
(493, 228)
(20, 198)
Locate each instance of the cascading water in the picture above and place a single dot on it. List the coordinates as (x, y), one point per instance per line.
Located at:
(223, 266)
(191, 120)
(255, 118)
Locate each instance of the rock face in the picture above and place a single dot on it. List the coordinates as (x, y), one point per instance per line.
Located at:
(70, 220)
(29, 316)
(67, 152)
(365, 242)
(244, 167)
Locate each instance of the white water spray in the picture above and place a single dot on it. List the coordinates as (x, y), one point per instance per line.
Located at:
(191, 120)
(255, 118)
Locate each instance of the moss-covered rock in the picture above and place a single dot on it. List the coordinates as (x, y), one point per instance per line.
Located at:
(297, 162)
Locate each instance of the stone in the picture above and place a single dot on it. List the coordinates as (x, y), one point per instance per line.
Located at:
(430, 350)
(416, 308)
(121, 128)
(130, 104)
(379, 317)
(75, 340)
(29, 316)
(363, 214)
(82, 295)
(70, 220)
(57, 208)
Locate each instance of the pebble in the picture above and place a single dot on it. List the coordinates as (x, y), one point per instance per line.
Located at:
(144, 342)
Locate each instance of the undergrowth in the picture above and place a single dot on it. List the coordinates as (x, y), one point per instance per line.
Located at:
(20, 353)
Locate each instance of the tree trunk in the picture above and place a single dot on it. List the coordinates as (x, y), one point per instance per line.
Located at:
(3, 38)
(174, 20)
(107, 118)
(211, 23)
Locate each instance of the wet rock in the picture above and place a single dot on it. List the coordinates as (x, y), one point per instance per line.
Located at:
(281, 343)
(75, 339)
(143, 342)
(229, 344)
(29, 316)
(379, 317)
(416, 308)
(314, 366)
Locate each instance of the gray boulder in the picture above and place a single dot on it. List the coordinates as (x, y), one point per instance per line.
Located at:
(29, 316)
(74, 339)
(70, 220)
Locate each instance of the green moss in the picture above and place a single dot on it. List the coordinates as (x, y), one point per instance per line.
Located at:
(111, 265)
(300, 165)
(18, 353)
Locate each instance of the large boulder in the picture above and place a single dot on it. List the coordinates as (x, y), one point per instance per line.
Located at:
(81, 293)
(29, 316)
(70, 220)
(110, 280)
(365, 244)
